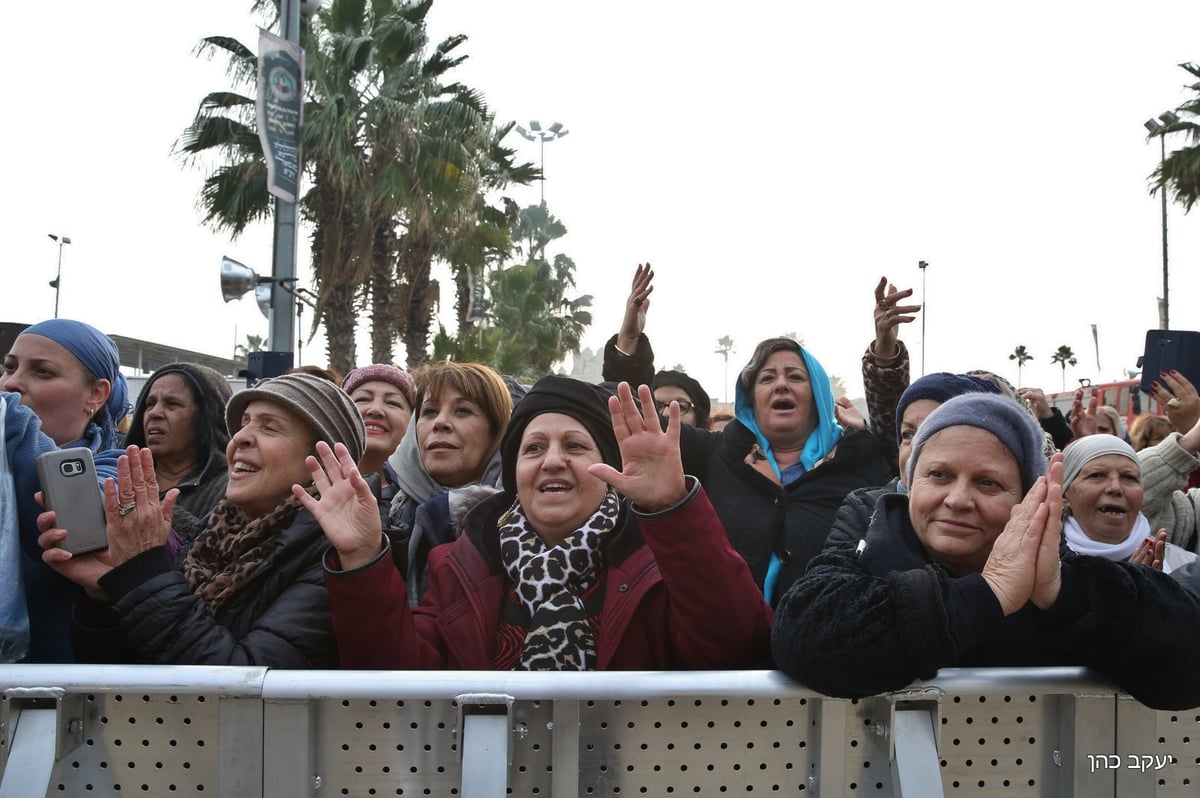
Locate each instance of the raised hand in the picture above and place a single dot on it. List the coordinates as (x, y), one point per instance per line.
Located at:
(1038, 401)
(889, 314)
(651, 474)
(346, 509)
(1177, 397)
(636, 306)
(1083, 420)
(847, 414)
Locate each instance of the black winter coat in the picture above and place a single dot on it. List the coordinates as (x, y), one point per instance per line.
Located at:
(279, 618)
(759, 515)
(872, 621)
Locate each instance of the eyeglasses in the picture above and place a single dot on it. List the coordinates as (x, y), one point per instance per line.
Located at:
(685, 406)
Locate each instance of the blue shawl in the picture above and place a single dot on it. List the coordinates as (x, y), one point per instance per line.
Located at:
(818, 446)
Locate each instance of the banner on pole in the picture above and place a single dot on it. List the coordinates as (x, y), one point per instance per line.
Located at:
(280, 112)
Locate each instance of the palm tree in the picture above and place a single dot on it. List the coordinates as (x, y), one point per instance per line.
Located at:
(1064, 357)
(1022, 356)
(393, 161)
(1179, 172)
(530, 324)
(254, 343)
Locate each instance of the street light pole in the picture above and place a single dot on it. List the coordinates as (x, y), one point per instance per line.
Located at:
(1159, 127)
(283, 244)
(922, 266)
(57, 281)
(537, 133)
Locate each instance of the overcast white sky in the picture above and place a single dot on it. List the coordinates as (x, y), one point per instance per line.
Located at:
(771, 160)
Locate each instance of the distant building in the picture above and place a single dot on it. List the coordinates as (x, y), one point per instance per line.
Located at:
(588, 365)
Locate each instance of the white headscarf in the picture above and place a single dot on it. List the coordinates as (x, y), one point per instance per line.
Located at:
(1079, 453)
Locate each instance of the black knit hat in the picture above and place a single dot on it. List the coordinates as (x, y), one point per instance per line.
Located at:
(321, 403)
(586, 403)
(700, 401)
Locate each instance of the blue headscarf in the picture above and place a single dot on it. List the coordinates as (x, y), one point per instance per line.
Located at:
(823, 437)
(98, 354)
(818, 446)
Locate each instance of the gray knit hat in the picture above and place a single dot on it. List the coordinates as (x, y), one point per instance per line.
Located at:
(999, 415)
(1082, 451)
(325, 406)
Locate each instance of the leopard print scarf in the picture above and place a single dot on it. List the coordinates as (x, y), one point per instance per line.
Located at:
(231, 547)
(549, 581)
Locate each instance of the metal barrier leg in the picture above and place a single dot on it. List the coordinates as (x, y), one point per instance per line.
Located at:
(564, 782)
(486, 724)
(829, 780)
(289, 753)
(240, 729)
(916, 768)
(31, 758)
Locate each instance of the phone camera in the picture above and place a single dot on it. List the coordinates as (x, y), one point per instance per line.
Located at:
(71, 468)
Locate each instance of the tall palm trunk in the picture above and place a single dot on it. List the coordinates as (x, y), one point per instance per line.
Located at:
(420, 295)
(462, 298)
(339, 317)
(385, 296)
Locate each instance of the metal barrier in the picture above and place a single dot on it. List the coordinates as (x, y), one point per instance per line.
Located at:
(149, 730)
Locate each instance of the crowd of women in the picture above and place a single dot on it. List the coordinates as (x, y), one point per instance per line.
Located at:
(454, 518)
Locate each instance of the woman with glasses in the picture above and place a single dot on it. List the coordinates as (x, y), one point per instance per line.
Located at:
(675, 386)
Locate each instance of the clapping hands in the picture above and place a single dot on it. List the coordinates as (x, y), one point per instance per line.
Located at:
(1024, 562)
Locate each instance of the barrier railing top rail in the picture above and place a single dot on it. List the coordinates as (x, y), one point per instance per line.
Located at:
(258, 732)
(250, 682)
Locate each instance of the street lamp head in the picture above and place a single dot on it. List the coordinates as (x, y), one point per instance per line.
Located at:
(535, 126)
(525, 134)
(1153, 125)
(557, 126)
(66, 239)
(922, 264)
(1169, 117)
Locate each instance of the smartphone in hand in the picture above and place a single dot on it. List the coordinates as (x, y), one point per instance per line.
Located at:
(71, 490)
(1168, 350)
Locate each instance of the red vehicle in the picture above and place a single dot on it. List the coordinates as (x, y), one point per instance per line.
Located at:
(1123, 395)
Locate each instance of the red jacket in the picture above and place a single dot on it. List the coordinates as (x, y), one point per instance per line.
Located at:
(676, 596)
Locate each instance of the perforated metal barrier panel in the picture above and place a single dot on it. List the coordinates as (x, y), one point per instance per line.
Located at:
(159, 731)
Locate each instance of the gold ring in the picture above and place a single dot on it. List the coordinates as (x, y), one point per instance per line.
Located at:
(127, 508)
(884, 304)
(888, 314)
(1173, 402)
